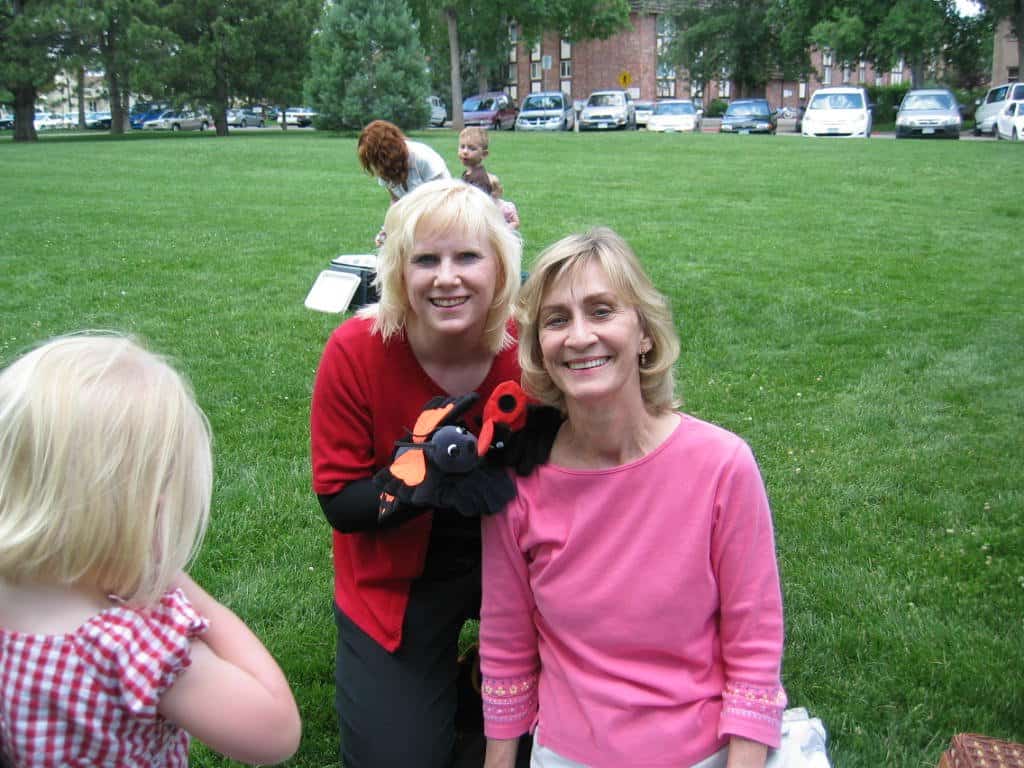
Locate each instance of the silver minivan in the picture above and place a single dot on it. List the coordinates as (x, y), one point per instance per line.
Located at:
(546, 111)
(990, 107)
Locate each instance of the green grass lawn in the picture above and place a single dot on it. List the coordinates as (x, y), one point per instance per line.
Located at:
(853, 309)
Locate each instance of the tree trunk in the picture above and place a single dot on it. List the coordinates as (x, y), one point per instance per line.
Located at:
(455, 56)
(917, 73)
(117, 111)
(25, 113)
(220, 99)
(81, 97)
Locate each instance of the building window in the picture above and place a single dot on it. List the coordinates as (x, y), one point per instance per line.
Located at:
(846, 73)
(565, 69)
(863, 76)
(666, 82)
(513, 33)
(535, 70)
(535, 52)
(513, 73)
(536, 86)
(567, 87)
(513, 92)
(724, 86)
(512, 55)
(826, 58)
(879, 80)
(826, 76)
(802, 90)
(1013, 73)
(897, 74)
(566, 52)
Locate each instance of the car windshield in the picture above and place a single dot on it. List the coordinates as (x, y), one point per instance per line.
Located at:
(747, 108)
(837, 101)
(543, 102)
(478, 104)
(675, 108)
(643, 106)
(916, 101)
(605, 100)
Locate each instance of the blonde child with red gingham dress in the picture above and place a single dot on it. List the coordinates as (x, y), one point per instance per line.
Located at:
(109, 654)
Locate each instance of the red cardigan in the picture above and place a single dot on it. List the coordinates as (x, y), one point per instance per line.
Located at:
(366, 396)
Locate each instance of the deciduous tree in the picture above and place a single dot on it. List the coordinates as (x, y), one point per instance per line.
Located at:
(32, 33)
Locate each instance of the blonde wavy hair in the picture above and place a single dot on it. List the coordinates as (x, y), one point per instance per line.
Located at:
(565, 260)
(439, 206)
(105, 467)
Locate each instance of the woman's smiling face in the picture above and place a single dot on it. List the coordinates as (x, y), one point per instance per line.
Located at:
(590, 338)
(450, 280)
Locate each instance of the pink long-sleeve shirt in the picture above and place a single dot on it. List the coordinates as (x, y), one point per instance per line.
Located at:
(635, 613)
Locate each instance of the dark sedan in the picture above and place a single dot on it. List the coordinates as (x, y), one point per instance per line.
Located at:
(749, 116)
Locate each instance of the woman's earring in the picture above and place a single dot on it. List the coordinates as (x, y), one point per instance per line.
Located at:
(643, 357)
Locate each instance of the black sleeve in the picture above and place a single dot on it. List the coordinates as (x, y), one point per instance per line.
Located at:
(355, 508)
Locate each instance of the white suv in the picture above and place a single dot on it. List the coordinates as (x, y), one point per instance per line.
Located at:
(995, 100)
(841, 111)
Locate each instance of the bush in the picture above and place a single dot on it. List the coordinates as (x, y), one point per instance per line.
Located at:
(366, 64)
(716, 108)
(886, 99)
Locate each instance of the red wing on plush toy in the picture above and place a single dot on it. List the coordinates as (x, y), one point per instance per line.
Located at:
(507, 407)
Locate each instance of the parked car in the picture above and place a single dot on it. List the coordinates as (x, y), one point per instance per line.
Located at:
(6, 122)
(1010, 122)
(608, 109)
(838, 111)
(546, 111)
(178, 120)
(438, 111)
(243, 118)
(929, 112)
(490, 110)
(675, 115)
(98, 120)
(995, 101)
(143, 111)
(749, 116)
(299, 116)
(45, 121)
(643, 111)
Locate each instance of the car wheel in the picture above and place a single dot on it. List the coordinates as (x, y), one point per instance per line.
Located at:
(203, 126)
(175, 127)
(259, 124)
(995, 134)
(496, 126)
(1014, 136)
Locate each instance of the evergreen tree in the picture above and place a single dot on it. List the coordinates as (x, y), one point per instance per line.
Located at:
(367, 63)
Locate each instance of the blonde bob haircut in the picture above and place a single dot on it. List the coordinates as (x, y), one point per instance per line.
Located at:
(564, 261)
(105, 468)
(441, 206)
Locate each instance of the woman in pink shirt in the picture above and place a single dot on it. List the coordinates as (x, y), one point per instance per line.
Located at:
(632, 612)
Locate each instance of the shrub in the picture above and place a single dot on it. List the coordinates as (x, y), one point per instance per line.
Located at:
(716, 108)
(886, 99)
(367, 63)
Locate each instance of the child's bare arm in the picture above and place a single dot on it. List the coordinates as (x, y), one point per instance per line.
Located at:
(233, 697)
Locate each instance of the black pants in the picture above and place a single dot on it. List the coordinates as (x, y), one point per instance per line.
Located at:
(398, 710)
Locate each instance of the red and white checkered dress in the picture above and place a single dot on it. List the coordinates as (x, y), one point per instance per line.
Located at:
(89, 697)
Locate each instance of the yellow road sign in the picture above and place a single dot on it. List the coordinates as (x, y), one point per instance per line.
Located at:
(625, 79)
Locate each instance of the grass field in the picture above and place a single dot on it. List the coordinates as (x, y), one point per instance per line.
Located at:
(853, 309)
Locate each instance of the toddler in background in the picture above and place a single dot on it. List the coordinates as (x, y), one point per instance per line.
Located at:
(473, 148)
(109, 654)
(508, 208)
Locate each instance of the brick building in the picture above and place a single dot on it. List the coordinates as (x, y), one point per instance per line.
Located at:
(1005, 67)
(632, 56)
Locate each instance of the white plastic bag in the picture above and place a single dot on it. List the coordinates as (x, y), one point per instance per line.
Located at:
(803, 742)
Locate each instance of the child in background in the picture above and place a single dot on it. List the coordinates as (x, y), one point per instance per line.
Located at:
(508, 208)
(109, 654)
(472, 151)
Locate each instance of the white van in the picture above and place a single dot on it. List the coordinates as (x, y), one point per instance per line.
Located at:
(990, 107)
(841, 111)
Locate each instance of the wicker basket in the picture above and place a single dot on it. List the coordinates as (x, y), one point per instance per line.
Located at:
(970, 750)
